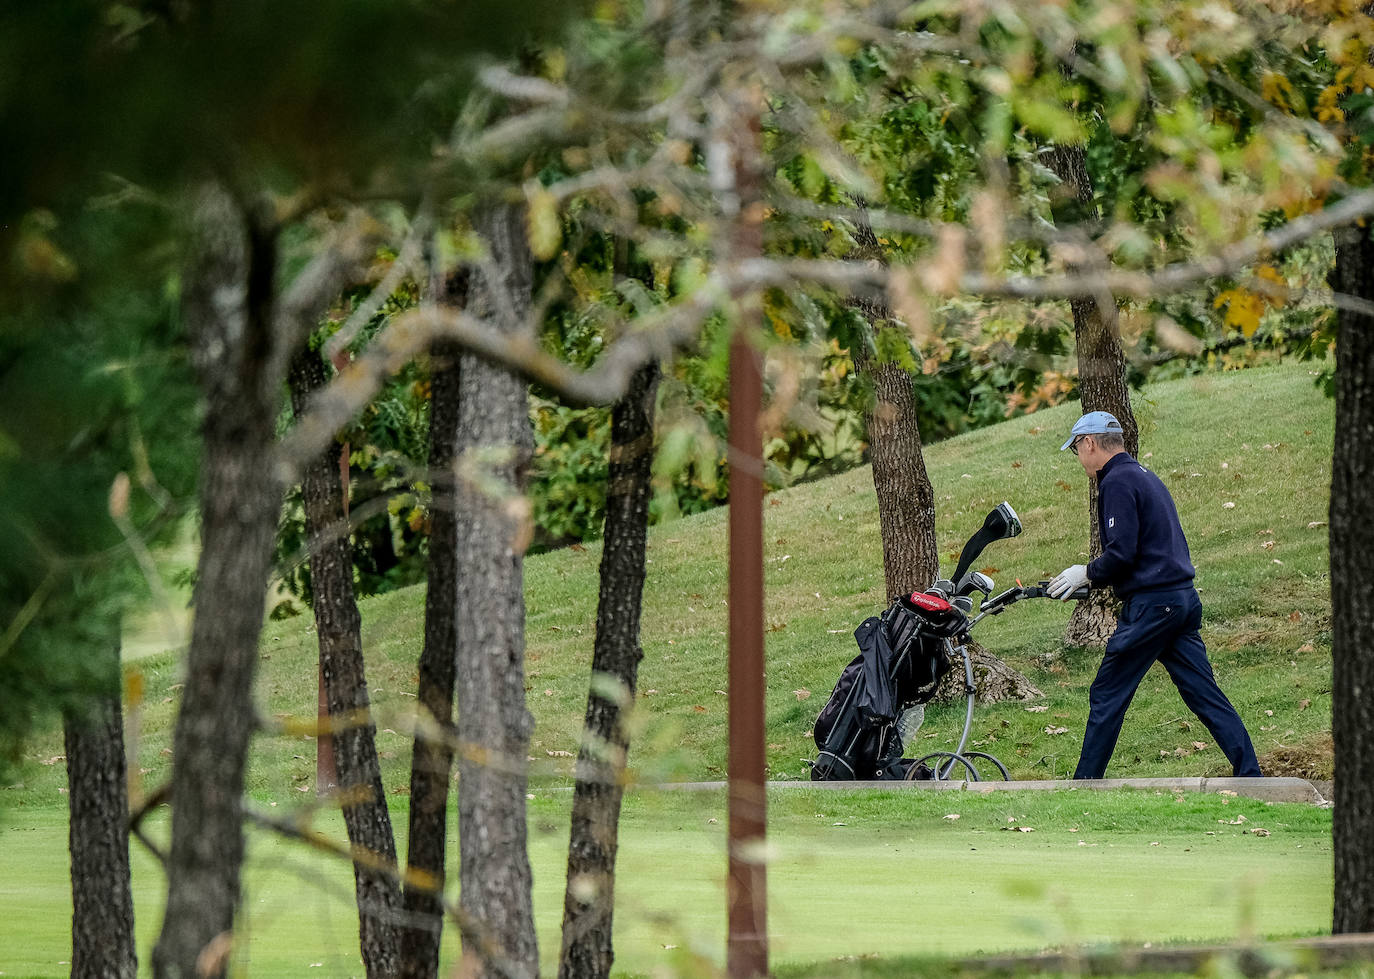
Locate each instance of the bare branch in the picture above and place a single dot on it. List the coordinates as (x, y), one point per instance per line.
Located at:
(319, 284)
(1141, 284)
(415, 331)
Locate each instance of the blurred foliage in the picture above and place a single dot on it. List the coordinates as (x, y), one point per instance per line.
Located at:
(98, 454)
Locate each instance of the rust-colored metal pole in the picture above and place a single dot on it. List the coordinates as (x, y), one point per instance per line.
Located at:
(326, 771)
(747, 944)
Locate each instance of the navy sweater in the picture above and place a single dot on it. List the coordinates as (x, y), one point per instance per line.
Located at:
(1143, 548)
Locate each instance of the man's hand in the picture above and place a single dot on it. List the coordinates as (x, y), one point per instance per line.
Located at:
(1066, 582)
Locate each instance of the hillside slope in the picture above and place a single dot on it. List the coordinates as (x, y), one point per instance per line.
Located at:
(1258, 439)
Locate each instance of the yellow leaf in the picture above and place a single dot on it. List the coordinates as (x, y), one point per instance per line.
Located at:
(1271, 274)
(1243, 309)
(545, 231)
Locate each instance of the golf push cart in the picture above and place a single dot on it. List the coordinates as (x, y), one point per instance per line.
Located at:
(878, 703)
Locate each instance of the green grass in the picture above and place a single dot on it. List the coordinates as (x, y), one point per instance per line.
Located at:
(1260, 439)
(851, 874)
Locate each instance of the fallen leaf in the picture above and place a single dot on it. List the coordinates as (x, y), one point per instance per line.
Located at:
(1016, 465)
(952, 815)
(1056, 730)
(1268, 545)
(1269, 713)
(1294, 616)
(699, 708)
(1228, 505)
(1307, 647)
(1200, 745)
(1037, 709)
(1305, 703)
(802, 694)
(1063, 485)
(559, 753)
(548, 693)
(1315, 524)
(1025, 829)
(1259, 832)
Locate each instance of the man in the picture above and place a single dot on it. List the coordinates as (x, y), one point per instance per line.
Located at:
(1145, 560)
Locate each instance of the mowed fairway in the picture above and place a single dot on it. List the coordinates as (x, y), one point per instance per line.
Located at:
(851, 873)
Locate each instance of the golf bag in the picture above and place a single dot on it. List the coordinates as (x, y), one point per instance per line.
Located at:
(901, 660)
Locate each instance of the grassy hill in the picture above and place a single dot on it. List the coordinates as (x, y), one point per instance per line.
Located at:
(1246, 454)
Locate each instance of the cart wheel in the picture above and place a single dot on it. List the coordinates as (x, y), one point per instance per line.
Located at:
(972, 772)
(1006, 776)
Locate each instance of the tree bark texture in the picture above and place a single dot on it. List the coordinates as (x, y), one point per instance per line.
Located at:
(906, 499)
(1352, 601)
(338, 626)
(432, 758)
(589, 901)
(493, 529)
(98, 803)
(227, 305)
(993, 679)
(1101, 379)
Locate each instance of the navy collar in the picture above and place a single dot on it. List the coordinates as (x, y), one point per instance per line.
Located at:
(1120, 459)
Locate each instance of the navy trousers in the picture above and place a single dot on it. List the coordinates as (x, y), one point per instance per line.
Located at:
(1161, 626)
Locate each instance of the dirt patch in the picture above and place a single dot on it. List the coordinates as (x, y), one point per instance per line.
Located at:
(1313, 758)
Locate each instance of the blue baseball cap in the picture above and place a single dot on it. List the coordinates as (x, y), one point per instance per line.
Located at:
(1094, 423)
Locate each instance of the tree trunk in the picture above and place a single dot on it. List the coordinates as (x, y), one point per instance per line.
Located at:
(906, 500)
(493, 528)
(1352, 605)
(227, 304)
(993, 679)
(98, 802)
(357, 769)
(1101, 379)
(589, 902)
(432, 758)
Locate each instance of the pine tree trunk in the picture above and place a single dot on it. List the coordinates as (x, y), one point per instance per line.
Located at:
(494, 724)
(1101, 380)
(227, 300)
(432, 758)
(338, 626)
(1352, 602)
(589, 902)
(98, 802)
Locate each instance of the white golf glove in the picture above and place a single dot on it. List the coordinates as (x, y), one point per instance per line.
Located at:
(1067, 581)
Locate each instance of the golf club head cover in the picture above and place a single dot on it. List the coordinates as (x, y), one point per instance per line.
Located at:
(937, 617)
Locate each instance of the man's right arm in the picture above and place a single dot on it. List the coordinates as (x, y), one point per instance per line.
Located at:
(1120, 533)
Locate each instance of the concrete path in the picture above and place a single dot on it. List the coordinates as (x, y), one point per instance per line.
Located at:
(1268, 789)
